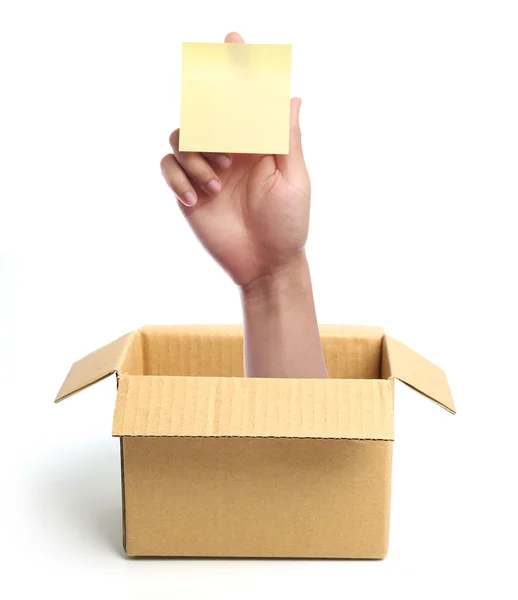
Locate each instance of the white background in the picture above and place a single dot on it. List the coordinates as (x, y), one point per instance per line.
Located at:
(410, 129)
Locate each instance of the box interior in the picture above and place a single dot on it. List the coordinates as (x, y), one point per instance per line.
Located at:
(354, 353)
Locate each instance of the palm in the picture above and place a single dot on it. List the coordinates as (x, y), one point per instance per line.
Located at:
(258, 220)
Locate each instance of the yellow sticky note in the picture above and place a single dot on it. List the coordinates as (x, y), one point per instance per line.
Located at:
(235, 98)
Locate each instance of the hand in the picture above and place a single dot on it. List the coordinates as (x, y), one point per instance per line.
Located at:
(251, 212)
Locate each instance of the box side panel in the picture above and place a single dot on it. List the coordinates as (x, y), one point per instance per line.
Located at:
(257, 497)
(356, 354)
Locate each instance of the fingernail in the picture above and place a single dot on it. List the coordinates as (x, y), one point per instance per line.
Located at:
(213, 187)
(189, 199)
(223, 161)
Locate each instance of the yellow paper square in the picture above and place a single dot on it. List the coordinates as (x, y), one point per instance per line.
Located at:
(235, 98)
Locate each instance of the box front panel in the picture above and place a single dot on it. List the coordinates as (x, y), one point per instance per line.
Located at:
(245, 497)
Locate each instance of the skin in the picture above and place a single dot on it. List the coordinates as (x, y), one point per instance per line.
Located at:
(251, 213)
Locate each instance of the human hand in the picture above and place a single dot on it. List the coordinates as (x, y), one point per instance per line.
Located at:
(250, 211)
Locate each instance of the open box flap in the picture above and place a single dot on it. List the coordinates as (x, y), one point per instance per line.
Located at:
(96, 366)
(400, 362)
(162, 406)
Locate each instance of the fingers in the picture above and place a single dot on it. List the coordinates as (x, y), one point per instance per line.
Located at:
(184, 171)
(291, 164)
(197, 168)
(234, 38)
(177, 180)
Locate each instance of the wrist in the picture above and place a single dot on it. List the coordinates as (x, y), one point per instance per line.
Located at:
(287, 280)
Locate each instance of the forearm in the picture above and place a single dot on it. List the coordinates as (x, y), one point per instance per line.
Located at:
(280, 324)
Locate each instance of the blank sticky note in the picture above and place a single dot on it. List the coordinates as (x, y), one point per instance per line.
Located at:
(235, 98)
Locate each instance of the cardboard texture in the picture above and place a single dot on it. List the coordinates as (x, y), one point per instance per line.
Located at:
(235, 98)
(216, 464)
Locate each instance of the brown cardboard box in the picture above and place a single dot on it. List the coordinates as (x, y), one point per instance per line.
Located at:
(216, 464)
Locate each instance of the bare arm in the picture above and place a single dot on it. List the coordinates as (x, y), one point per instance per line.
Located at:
(281, 330)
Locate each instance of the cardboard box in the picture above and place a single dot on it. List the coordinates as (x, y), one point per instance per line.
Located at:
(216, 464)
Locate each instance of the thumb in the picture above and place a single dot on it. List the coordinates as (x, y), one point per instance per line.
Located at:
(292, 165)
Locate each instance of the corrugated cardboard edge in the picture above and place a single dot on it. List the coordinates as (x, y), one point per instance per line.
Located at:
(236, 330)
(123, 491)
(95, 366)
(400, 362)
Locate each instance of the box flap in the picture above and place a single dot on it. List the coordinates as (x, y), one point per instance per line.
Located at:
(94, 367)
(400, 362)
(253, 407)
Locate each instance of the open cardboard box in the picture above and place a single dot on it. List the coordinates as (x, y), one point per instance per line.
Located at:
(216, 464)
